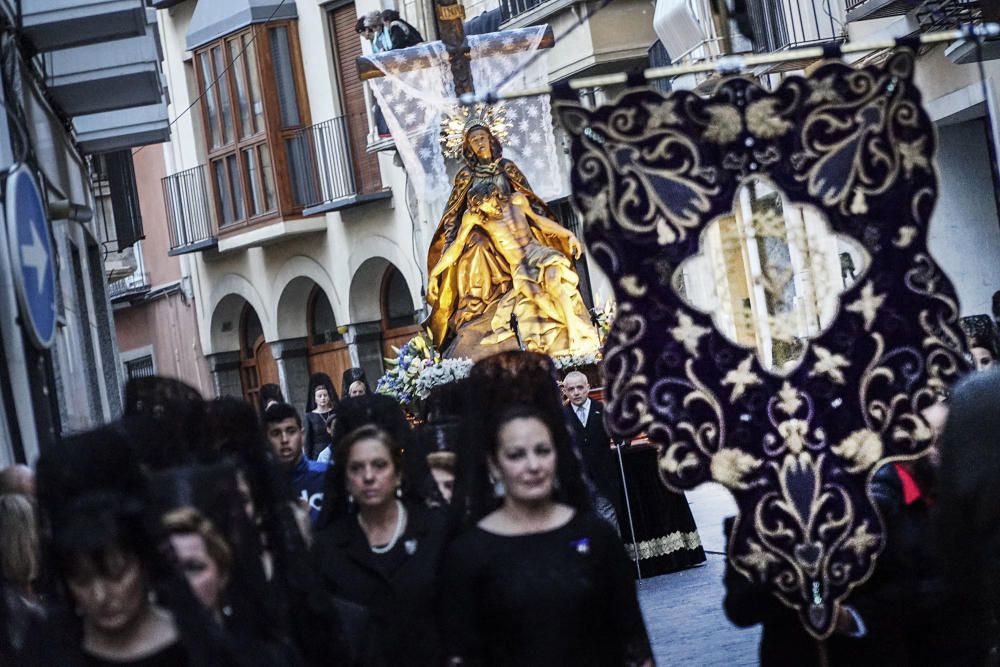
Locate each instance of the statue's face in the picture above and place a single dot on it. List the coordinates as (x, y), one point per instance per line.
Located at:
(491, 206)
(479, 141)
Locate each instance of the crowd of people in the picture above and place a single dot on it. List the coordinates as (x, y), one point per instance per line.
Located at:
(195, 532)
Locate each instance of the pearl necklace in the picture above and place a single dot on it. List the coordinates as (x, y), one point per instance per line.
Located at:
(400, 525)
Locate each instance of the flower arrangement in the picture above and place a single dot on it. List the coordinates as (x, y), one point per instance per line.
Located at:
(441, 373)
(400, 380)
(567, 362)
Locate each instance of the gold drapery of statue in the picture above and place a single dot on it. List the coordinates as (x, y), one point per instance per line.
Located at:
(521, 261)
(480, 276)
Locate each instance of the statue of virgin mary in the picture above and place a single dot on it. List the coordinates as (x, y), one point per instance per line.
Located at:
(462, 310)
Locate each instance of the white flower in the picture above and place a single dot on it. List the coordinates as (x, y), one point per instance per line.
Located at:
(567, 361)
(441, 373)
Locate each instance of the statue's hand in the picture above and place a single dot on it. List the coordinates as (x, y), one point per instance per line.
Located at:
(433, 288)
(574, 247)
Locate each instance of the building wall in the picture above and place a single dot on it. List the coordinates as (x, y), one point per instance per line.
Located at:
(164, 324)
(166, 327)
(150, 169)
(964, 233)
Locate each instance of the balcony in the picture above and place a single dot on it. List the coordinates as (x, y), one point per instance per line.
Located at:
(947, 14)
(616, 38)
(511, 9)
(326, 179)
(115, 130)
(944, 14)
(62, 24)
(862, 10)
(107, 76)
(787, 24)
(133, 287)
(189, 215)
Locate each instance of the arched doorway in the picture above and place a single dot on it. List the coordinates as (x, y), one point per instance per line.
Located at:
(257, 364)
(328, 352)
(399, 317)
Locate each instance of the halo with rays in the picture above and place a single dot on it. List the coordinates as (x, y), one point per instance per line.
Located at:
(455, 125)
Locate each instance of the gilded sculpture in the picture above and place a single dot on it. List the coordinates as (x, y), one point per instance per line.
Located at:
(498, 252)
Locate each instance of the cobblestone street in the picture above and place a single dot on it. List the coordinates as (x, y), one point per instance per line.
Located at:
(683, 610)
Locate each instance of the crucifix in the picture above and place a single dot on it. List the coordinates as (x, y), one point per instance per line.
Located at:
(450, 16)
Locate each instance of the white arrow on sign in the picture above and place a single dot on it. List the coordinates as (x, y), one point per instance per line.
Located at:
(34, 255)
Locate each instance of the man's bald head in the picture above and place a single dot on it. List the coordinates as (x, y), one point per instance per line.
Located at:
(576, 387)
(18, 478)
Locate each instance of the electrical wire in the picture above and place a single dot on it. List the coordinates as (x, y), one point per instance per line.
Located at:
(221, 74)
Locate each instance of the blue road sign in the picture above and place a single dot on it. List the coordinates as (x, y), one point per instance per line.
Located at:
(31, 255)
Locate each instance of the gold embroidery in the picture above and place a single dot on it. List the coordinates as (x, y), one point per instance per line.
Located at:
(664, 546)
(732, 467)
(763, 120)
(740, 378)
(688, 333)
(829, 364)
(725, 124)
(867, 306)
(790, 401)
(861, 450)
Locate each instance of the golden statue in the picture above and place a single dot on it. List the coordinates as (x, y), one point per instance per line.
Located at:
(543, 295)
(462, 308)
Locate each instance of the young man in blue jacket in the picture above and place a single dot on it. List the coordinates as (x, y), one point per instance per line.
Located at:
(283, 427)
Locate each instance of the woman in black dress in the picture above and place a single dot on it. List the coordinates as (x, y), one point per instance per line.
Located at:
(377, 548)
(132, 606)
(540, 579)
(321, 405)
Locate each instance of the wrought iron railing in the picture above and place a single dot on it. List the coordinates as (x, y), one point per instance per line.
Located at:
(784, 24)
(947, 14)
(134, 284)
(510, 9)
(189, 211)
(851, 5)
(320, 160)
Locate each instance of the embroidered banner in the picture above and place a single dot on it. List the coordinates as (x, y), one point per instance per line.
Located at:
(791, 407)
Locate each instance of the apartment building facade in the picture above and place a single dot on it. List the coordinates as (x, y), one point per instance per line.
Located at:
(80, 80)
(965, 229)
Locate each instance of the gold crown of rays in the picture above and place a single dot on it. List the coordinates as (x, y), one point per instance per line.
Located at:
(463, 118)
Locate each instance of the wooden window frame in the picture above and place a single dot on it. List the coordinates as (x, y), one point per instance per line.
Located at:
(271, 135)
(356, 160)
(383, 300)
(311, 345)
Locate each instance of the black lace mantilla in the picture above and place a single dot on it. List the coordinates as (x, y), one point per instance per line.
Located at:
(650, 173)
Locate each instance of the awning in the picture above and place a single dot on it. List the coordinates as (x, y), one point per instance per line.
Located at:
(677, 27)
(213, 19)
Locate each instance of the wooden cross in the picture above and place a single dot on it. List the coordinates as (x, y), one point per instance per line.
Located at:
(450, 20)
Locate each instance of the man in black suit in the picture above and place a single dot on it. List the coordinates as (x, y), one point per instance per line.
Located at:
(597, 456)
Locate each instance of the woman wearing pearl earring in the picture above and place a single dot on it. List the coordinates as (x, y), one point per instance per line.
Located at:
(383, 552)
(539, 579)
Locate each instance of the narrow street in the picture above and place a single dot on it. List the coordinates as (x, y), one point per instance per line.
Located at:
(683, 610)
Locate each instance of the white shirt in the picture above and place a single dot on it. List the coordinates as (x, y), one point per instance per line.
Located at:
(582, 411)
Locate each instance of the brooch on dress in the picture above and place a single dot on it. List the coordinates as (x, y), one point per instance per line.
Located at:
(410, 546)
(582, 546)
